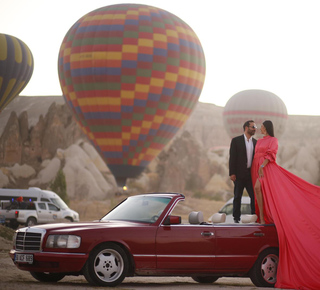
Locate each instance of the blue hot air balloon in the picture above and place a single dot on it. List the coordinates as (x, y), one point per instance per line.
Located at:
(16, 67)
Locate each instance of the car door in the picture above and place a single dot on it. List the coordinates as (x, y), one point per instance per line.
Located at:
(54, 213)
(185, 246)
(237, 245)
(42, 212)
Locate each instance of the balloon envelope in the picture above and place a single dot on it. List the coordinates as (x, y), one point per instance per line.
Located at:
(132, 75)
(16, 67)
(257, 105)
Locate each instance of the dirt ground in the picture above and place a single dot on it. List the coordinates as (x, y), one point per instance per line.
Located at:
(13, 278)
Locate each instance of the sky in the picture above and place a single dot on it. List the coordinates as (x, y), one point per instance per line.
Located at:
(271, 45)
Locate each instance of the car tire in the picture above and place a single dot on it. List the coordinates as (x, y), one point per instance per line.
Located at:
(31, 221)
(47, 277)
(13, 224)
(205, 279)
(69, 219)
(107, 265)
(264, 271)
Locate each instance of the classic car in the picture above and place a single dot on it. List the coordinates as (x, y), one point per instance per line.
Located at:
(148, 235)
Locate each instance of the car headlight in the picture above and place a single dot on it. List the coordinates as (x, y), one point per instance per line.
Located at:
(14, 240)
(63, 241)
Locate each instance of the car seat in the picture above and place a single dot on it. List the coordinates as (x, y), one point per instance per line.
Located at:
(196, 217)
(218, 218)
(249, 218)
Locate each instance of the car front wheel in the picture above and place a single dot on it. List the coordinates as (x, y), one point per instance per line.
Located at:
(264, 271)
(47, 277)
(107, 265)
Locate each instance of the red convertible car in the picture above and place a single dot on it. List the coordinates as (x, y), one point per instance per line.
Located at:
(143, 236)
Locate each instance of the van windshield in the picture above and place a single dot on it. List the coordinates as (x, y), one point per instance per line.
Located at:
(59, 202)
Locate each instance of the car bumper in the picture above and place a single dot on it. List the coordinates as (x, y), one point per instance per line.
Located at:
(52, 262)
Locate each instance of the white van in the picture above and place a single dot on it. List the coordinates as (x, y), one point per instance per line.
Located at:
(33, 194)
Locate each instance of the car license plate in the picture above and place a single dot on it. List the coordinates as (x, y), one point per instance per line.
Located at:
(24, 258)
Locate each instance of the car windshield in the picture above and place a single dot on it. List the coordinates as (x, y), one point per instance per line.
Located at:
(228, 209)
(146, 209)
(59, 203)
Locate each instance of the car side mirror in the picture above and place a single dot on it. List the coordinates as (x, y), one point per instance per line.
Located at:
(172, 220)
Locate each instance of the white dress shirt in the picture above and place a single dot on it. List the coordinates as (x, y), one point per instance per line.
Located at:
(249, 147)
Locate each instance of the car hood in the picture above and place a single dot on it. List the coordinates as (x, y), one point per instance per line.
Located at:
(71, 227)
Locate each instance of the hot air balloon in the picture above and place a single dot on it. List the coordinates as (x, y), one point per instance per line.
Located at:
(16, 67)
(132, 75)
(257, 105)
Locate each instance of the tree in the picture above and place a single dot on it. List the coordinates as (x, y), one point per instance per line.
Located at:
(59, 186)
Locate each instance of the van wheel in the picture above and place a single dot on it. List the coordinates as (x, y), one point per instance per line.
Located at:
(69, 219)
(31, 221)
(47, 277)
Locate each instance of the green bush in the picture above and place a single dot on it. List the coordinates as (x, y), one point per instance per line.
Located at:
(59, 186)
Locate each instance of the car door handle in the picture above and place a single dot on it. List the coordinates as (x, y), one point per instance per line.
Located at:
(258, 234)
(207, 234)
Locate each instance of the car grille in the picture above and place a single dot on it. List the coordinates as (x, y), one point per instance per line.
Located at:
(28, 241)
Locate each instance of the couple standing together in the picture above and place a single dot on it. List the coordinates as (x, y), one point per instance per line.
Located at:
(281, 198)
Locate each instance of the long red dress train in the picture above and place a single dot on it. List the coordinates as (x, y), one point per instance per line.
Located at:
(293, 205)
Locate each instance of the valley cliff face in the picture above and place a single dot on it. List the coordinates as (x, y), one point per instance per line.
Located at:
(40, 137)
(23, 145)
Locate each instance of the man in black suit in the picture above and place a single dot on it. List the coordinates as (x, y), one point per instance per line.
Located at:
(241, 156)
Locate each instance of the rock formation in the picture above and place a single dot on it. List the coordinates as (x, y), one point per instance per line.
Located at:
(36, 143)
(184, 166)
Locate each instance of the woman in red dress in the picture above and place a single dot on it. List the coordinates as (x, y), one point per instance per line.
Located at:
(293, 205)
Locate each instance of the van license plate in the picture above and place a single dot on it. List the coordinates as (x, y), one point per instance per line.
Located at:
(24, 258)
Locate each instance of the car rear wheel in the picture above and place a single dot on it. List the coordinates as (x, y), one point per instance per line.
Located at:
(31, 221)
(107, 265)
(264, 271)
(205, 279)
(47, 277)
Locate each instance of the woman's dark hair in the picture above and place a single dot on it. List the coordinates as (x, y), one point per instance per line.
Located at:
(269, 127)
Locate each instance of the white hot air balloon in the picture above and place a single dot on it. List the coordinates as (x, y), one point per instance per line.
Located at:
(257, 105)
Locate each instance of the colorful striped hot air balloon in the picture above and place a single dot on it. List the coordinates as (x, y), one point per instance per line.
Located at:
(257, 105)
(132, 75)
(16, 67)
